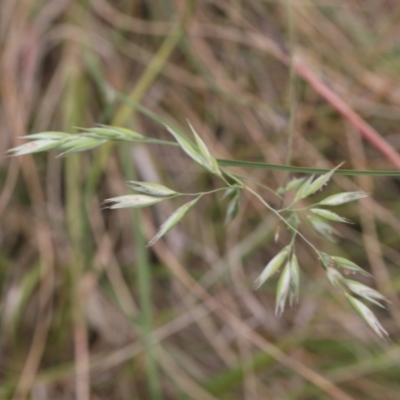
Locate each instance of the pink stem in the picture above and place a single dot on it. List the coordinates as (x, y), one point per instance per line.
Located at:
(365, 129)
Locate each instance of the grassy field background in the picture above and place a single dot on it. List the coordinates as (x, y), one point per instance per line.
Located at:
(87, 311)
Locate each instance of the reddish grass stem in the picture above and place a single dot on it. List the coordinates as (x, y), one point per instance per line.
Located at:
(366, 130)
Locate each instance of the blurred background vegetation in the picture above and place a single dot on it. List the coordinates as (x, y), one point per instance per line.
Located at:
(87, 311)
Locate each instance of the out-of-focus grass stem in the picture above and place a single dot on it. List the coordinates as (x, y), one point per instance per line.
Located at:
(74, 214)
(292, 85)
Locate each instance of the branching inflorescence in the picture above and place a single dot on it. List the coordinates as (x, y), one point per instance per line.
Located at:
(319, 215)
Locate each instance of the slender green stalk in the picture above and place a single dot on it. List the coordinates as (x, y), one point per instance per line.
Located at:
(282, 218)
(292, 86)
(252, 164)
(76, 228)
(304, 170)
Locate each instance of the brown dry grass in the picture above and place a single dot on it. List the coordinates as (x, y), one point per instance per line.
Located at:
(86, 311)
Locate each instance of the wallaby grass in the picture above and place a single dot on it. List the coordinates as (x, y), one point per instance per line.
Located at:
(88, 311)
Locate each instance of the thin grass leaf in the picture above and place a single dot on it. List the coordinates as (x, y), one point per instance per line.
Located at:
(152, 189)
(329, 215)
(342, 198)
(252, 164)
(174, 219)
(139, 107)
(365, 292)
(271, 267)
(367, 315)
(304, 170)
(323, 228)
(283, 290)
(133, 201)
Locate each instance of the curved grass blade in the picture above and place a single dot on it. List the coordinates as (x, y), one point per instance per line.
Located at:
(304, 170)
(252, 164)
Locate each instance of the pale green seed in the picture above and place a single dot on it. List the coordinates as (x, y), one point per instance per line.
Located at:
(342, 198)
(294, 184)
(232, 209)
(133, 201)
(187, 146)
(152, 189)
(176, 217)
(209, 159)
(125, 133)
(329, 215)
(294, 280)
(365, 292)
(349, 265)
(271, 267)
(367, 315)
(282, 290)
(81, 144)
(35, 146)
(319, 183)
(303, 188)
(47, 136)
(323, 228)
